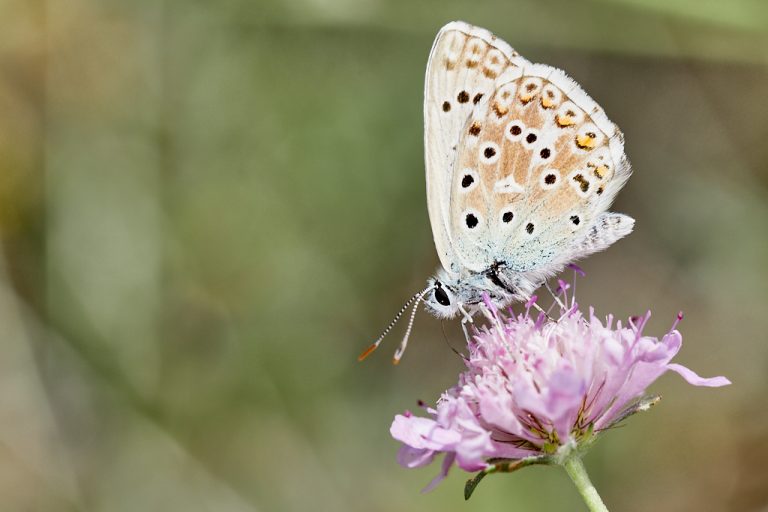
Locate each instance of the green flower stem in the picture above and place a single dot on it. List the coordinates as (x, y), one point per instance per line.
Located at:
(575, 469)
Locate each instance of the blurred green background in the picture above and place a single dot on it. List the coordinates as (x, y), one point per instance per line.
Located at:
(209, 208)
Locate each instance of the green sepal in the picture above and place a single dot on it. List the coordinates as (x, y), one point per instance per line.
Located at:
(640, 405)
(503, 466)
(469, 487)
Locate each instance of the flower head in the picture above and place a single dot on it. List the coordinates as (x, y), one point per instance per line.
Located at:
(537, 389)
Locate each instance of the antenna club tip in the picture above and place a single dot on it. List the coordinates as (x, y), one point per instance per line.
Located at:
(365, 353)
(395, 360)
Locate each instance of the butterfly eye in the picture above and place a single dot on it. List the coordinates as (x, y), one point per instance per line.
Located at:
(441, 297)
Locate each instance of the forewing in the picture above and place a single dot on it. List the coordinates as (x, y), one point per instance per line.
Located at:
(537, 164)
(464, 68)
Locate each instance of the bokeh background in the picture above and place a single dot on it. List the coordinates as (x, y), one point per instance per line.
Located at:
(207, 210)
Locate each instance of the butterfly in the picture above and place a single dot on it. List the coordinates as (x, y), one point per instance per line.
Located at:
(521, 167)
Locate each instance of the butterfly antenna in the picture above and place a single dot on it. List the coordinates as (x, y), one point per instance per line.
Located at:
(384, 333)
(404, 343)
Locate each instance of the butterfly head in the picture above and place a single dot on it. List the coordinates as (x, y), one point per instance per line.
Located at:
(441, 299)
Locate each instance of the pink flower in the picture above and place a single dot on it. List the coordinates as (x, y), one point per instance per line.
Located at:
(535, 388)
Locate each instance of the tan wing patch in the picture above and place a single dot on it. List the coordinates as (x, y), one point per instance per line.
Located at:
(545, 157)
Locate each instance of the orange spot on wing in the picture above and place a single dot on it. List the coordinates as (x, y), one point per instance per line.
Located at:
(500, 110)
(585, 141)
(601, 171)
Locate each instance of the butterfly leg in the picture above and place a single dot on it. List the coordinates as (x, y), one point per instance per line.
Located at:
(540, 310)
(485, 311)
(557, 299)
(464, 321)
(537, 307)
(466, 332)
(467, 316)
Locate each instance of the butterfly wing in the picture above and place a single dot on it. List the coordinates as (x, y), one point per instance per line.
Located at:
(536, 165)
(464, 67)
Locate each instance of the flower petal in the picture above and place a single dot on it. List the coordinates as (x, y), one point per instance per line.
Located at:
(423, 433)
(410, 457)
(692, 378)
(444, 468)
